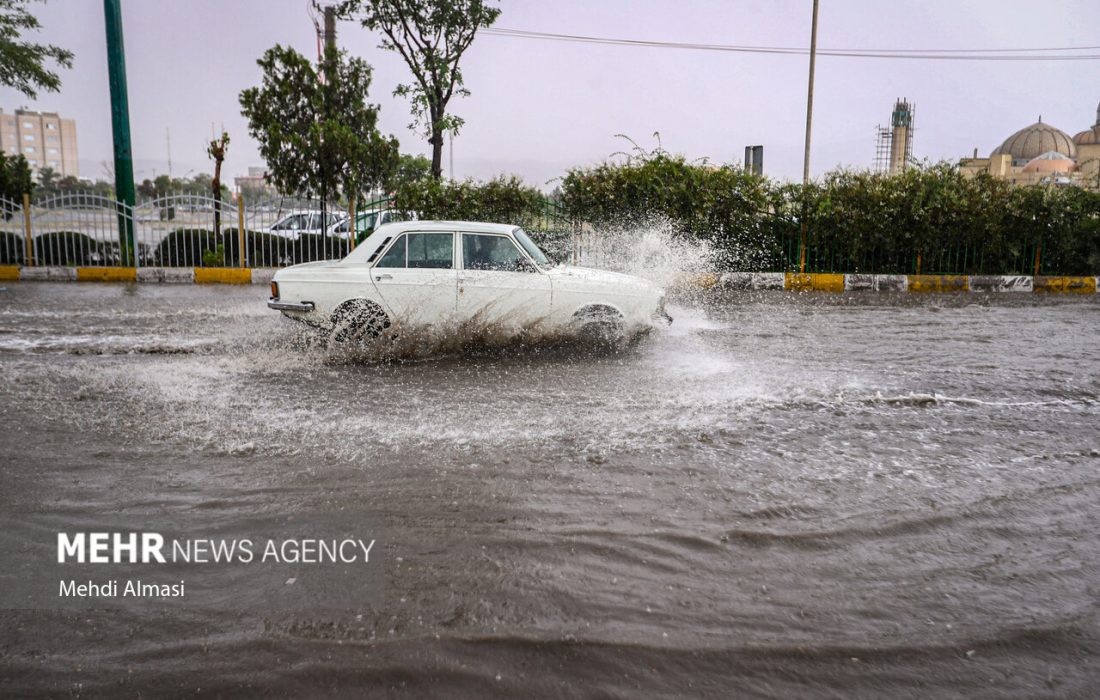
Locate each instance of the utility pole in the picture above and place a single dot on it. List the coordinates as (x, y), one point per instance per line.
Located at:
(330, 27)
(329, 59)
(120, 126)
(806, 155)
(168, 140)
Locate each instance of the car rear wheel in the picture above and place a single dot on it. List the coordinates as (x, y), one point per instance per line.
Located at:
(358, 320)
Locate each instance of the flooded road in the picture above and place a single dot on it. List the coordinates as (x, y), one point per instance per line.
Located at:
(780, 495)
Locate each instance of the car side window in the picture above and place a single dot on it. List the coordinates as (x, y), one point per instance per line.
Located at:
(485, 252)
(431, 250)
(395, 256)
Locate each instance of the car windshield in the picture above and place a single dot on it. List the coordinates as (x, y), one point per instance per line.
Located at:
(533, 250)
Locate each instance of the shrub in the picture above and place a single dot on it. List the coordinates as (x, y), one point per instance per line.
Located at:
(68, 248)
(12, 248)
(501, 200)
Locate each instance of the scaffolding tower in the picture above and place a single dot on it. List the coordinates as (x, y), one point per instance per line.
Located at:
(894, 144)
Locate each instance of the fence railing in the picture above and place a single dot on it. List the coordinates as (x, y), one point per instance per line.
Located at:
(187, 230)
(193, 230)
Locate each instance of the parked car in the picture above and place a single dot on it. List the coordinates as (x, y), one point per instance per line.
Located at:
(432, 272)
(294, 225)
(367, 222)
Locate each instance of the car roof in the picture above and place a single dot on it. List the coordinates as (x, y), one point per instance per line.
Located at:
(368, 246)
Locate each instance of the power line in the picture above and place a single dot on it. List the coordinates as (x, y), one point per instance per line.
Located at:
(1021, 54)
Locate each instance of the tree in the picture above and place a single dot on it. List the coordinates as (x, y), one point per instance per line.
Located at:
(15, 181)
(47, 179)
(22, 62)
(318, 134)
(217, 150)
(410, 168)
(431, 36)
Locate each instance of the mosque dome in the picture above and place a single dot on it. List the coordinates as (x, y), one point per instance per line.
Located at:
(1035, 140)
(1088, 136)
(1050, 162)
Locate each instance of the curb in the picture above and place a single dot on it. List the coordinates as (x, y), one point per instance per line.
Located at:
(829, 282)
(151, 275)
(811, 282)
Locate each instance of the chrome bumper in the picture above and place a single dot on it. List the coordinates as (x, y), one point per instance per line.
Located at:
(289, 305)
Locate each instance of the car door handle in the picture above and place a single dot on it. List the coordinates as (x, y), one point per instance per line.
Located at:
(379, 278)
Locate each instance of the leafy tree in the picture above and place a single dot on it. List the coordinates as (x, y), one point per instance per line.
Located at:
(318, 134)
(22, 62)
(410, 168)
(47, 179)
(431, 36)
(15, 178)
(147, 189)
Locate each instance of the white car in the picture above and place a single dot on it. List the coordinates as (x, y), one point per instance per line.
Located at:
(294, 225)
(367, 222)
(438, 272)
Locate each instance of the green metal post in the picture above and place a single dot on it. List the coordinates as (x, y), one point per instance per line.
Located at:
(120, 125)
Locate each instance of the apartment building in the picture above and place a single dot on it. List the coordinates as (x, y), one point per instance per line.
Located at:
(44, 138)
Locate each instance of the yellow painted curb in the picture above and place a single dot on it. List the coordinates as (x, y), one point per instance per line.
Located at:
(106, 274)
(223, 275)
(938, 283)
(818, 282)
(1066, 285)
(9, 273)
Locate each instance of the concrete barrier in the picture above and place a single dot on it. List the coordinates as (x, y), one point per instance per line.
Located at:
(818, 282)
(937, 283)
(769, 280)
(1066, 285)
(999, 283)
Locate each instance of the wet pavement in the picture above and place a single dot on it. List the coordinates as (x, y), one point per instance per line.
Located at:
(780, 495)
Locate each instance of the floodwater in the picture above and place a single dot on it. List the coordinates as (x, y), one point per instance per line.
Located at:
(779, 496)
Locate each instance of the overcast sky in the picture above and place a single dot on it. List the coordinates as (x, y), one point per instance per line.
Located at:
(541, 107)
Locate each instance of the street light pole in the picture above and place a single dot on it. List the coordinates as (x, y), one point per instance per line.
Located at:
(120, 126)
(809, 123)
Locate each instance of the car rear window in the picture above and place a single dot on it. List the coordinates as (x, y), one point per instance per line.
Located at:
(421, 250)
(433, 250)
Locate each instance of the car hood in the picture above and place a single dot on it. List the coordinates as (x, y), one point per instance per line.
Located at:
(566, 273)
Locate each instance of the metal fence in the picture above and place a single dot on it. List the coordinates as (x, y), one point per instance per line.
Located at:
(186, 230)
(192, 230)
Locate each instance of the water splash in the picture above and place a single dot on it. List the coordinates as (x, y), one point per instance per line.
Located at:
(652, 250)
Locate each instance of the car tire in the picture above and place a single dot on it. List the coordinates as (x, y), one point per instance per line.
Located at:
(358, 320)
(603, 325)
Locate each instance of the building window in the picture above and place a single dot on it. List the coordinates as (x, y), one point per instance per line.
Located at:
(33, 162)
(29, 149)
(54, 164)
(51, 126)
(28, 125)
(51, 138)
(51, 151)
(28, 137)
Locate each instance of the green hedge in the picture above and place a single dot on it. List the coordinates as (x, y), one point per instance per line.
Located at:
(856, 221)
(501, 200)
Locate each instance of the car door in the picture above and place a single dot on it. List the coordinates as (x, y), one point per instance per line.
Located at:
(416, 277)
(498, 282)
